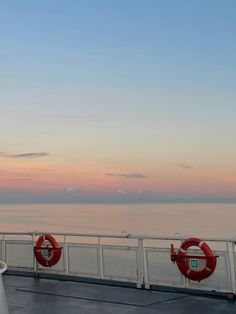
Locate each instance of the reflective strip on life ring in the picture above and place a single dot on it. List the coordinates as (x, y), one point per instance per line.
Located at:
(53, 251)
(182, 259)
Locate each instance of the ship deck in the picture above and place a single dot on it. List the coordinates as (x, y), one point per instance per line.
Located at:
(27, 295)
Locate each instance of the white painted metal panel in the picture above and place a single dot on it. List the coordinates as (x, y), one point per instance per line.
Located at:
(19, 254)
(120, 263)
(83, 260)
(161, 270)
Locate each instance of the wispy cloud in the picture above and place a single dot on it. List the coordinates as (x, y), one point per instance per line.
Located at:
(24, 155)
(70, 189)
(16, 179)
(182, 166)
(21, 179)
(229, 179)
(140, 192)
(127, 175)
(121, 192)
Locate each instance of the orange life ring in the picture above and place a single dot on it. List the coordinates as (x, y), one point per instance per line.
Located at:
(189, 264)
(47, 255)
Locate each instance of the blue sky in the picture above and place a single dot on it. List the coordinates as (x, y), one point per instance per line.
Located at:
(119, 86)
(120, 43)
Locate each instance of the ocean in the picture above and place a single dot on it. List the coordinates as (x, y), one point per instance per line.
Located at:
(217, 220)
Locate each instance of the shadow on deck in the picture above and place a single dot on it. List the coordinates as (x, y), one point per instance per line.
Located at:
(27, 295)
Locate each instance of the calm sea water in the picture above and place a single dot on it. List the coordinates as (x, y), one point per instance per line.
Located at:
(167, 219)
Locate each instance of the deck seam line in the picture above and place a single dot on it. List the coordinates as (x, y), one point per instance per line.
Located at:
(168, 300)
(82, 298)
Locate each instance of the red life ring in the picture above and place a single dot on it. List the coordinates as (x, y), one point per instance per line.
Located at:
(47, 255)
(189, 264)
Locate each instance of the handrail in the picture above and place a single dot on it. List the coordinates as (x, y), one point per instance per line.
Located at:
(122, 235)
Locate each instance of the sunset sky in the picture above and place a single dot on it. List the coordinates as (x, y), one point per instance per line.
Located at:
(117, 101)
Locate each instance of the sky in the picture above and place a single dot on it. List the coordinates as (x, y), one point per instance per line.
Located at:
(117, 101)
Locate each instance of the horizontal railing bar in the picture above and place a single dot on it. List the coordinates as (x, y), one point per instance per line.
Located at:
(137, 236)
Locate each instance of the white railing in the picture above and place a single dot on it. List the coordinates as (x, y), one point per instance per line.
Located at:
(3, 301)
(134, 258)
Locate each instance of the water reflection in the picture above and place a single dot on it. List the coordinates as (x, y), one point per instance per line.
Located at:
(167, 219)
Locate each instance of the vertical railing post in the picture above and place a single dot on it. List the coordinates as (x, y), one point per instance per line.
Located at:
(231, 263)
(100, 258)
(66, 255)
(3, 249)
(141, 264)
(33, 243)
(145, 269)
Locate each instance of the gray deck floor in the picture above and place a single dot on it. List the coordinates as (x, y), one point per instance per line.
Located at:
(43, 296)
